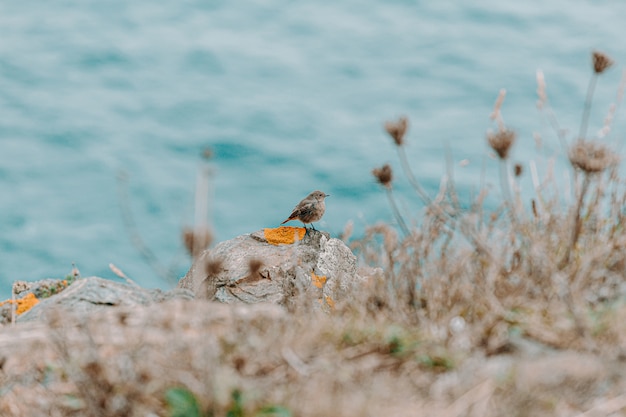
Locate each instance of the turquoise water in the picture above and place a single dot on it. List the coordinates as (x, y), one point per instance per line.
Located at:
(290, 96)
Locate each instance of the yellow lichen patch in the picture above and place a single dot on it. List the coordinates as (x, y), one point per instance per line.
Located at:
(285, 235)
(329, 301)
(26, 303)
(23, 304)
(318, 280)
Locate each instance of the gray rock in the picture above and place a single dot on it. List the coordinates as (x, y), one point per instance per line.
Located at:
(227, 272)
(90, 294)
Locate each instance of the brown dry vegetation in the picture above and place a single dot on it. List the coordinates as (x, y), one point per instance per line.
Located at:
(519, 311)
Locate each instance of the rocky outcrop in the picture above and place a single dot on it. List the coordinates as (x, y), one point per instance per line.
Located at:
(85, 295)
(271, 265)
(253, 268)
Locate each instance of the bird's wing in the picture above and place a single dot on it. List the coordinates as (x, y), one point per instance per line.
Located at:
(305, 209)
(301, 210)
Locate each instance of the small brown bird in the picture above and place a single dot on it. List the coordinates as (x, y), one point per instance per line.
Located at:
(310, 209)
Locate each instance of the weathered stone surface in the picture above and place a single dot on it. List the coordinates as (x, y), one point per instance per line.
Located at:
(89, 294)
(318, 264)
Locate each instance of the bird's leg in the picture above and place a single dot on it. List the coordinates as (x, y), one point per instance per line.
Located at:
(313, 226)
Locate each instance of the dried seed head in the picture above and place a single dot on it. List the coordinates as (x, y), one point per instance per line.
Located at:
(591, 157)
(601, 62)
(397, 130)
(501, 142)
(213, 266)
(94, 369)
(518, 169)
(239, 362)
(254, 265)
(384, 175)
(75, 272)
(197, 240)
(20, 287)
(207, 153)
(122, 317)
(208, 286)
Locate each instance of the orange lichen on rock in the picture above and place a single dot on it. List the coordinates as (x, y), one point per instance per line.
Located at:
(285, 235)
(318, 280)
(326, 301)
(329, 301)
(23, 304)
(26, 303)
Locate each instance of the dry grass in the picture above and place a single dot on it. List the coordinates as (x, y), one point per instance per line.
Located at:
(365, 361)
(515, 311)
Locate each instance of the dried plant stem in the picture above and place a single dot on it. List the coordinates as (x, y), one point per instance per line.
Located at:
(412, 180)
(450, 188)
(505, 185)
(396, 212)
(606, 407)
(202, 197)
(496, 115)
(135, 236)
(544, 106)
(587, 109)
(557, 128)
(597, 195)
(609, 120)
(466, 228)
(466, 231)
(13, 307)
(121, 274)
(576, 223)
(565, 293)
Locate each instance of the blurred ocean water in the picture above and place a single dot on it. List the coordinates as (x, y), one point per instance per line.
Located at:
(291, 97)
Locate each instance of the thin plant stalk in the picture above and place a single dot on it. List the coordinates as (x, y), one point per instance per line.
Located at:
(136, 239)
(396, 212)
(587, 109)
(454, 198)
(466, 231)
(13, 306)
(614, 109)
(544, 107)
(201, 201)
(412, 180)
(576, 223)
(471, 235)
(506, 187)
